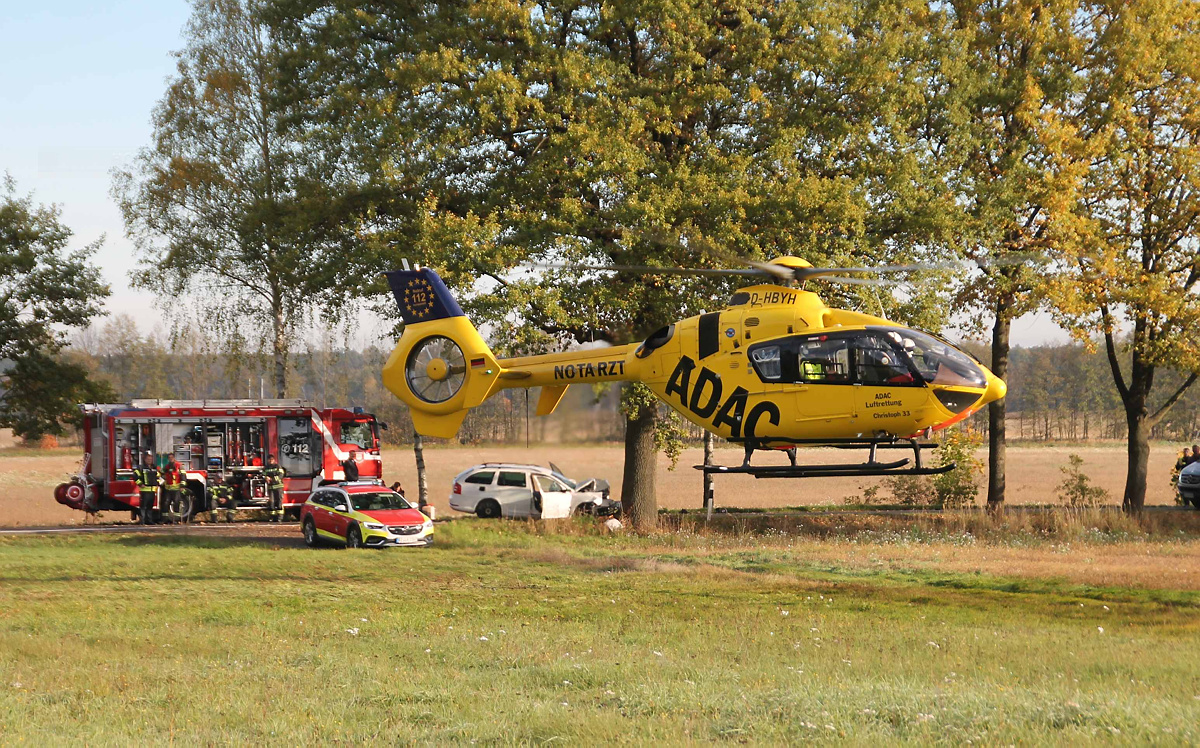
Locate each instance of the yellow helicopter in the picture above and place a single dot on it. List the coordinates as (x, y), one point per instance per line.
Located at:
(775, 369)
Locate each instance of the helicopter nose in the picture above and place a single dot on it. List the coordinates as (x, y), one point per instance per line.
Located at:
(996, 389)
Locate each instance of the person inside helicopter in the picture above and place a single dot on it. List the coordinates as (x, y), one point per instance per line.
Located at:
(937, 361)
(876, 362)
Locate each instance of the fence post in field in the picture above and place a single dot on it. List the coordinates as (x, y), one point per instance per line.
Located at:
(708, 479)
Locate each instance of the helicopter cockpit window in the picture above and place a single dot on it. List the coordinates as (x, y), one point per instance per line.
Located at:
(876, 361)
(823, 359)
(938, 361)
(767, 363)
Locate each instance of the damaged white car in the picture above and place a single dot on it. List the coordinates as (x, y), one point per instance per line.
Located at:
(496, 489)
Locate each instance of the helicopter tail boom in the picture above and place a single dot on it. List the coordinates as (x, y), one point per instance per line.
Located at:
(612, 364)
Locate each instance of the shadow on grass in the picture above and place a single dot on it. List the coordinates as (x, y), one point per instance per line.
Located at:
(209, 541)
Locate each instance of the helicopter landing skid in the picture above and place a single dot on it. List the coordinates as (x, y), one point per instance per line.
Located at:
(825, 471)
(869, 468)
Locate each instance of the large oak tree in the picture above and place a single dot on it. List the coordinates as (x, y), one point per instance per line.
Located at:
(670, 133)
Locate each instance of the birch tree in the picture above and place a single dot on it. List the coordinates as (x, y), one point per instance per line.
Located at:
(215, 204)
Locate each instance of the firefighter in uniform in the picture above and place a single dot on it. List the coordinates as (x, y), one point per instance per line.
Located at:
(231, 502)
(148, 481)
(220, 496)
(173, 490)
(274, 475)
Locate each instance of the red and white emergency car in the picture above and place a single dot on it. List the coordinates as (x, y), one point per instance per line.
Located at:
(219, 440)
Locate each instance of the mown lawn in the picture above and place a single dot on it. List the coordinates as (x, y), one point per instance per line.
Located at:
(500, 634)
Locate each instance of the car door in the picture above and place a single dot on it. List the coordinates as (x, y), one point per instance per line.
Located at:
(477, 486)
(320, 511)
(514, 493)
(553, 500)
(339, 520)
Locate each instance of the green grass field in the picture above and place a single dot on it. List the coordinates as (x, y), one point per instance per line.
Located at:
(502, 633)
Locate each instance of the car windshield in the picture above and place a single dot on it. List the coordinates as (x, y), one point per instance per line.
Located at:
(359, 433)
(938, 361)
(377, 501)
(558, 473)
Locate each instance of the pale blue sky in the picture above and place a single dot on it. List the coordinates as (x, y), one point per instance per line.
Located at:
(78, 81)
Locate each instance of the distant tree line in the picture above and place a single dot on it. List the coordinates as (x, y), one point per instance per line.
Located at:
(1065, 392)
(194, 365)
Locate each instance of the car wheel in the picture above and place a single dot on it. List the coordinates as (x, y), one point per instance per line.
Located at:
(310, 533)
(354, 537)
(487, 509)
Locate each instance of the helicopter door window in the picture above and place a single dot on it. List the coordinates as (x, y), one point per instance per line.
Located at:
(877, 362)
(767, 363)
(822, 359)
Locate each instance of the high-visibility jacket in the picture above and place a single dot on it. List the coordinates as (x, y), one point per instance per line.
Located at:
(172, 479)
(274, 476)
(147, 478)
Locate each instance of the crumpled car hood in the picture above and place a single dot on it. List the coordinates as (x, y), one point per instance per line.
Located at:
(592, 485)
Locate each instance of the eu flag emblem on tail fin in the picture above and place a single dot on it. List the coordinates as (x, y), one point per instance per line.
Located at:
(422, 296)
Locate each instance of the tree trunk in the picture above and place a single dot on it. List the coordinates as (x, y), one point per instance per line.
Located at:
(279, 327)
(638, 500)
(996, 411)
(1139, 461)
(422, 481)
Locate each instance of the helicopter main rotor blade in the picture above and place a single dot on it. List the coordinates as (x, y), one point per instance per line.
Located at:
(809, 273)
(759, 269)
(890, 268)
(1003, 261)
(855, 281)
(650, 270)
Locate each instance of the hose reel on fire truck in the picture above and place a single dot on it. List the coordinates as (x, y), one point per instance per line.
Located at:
(77, 493)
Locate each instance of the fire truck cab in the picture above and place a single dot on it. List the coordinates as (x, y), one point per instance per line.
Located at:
(219, 440)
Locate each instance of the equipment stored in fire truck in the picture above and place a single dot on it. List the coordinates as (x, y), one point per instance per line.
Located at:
(219, 442)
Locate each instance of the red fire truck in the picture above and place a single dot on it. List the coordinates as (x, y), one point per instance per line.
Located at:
(219, 440)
